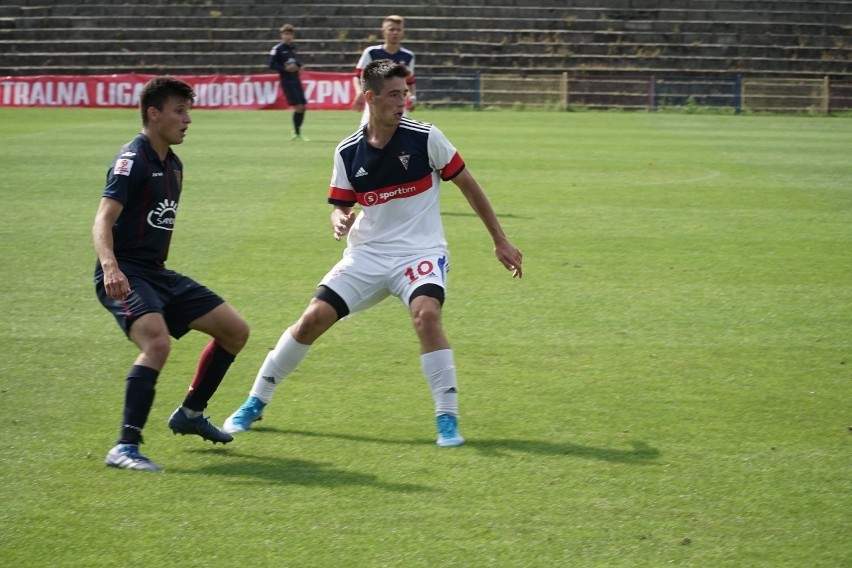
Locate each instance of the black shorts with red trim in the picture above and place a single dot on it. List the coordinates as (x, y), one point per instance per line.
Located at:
(180, 299)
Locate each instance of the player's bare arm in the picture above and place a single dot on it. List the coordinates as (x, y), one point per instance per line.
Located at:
(341, 221)
(504, 250)
(412, 97)
(358, 103)
(115, 282)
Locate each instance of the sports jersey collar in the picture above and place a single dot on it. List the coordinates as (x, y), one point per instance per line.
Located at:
(149, 150)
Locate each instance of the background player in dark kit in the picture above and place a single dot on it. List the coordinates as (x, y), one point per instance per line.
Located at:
(284, 58)
(132, 233)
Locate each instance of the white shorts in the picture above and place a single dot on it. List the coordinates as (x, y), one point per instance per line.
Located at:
(365, 279)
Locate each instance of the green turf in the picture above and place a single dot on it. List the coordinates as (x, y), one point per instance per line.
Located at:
(669, 384)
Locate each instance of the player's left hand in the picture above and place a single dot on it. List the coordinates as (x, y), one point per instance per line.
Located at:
(511, 257)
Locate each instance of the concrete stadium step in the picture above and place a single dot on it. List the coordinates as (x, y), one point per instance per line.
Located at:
(421, 36)
(803, 12)
(154, 28)
(517, 36)
(190, 63)
(311, 50)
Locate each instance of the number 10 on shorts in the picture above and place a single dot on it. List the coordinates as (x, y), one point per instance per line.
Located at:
(425, 269)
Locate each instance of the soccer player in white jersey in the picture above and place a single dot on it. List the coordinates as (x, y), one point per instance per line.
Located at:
(393, 30)
(391, 168)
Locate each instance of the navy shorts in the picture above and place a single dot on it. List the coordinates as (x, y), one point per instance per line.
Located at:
(293, 93)
(179, 298)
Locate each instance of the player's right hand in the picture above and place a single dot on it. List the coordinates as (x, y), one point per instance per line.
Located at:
(341, 224)
(116, 285)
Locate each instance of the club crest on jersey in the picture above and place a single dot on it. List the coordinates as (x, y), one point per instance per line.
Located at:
(163, 216)
(404, 159)
(122, 167)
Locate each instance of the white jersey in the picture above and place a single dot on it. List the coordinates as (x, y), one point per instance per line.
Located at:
(397, 187)
(375, 52)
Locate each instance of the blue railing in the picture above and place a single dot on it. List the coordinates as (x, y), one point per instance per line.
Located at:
(731, 92)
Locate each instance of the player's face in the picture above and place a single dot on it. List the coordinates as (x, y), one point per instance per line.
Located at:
(389, 105)
(171, 123)
(287, 37)
(392, 33)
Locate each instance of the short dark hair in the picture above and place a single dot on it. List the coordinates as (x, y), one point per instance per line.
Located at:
(157, 91)
(286, 28)
(377, 72)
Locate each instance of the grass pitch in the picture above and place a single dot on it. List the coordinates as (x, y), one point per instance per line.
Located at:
(669, 384)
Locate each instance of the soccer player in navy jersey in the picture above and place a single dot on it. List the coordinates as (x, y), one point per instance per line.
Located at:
(391, 168)
(393, 30)
(284, 59)
(132, 232)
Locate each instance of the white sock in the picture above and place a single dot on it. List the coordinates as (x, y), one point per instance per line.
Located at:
(440, 371)
(190, 413)
(279, 363)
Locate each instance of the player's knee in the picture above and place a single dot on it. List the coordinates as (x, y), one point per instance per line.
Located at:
(243, 333)
(426, 315)
(238, 335)
(317, 318)
(157, 348)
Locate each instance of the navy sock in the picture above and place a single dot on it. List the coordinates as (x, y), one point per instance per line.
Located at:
(138, 399)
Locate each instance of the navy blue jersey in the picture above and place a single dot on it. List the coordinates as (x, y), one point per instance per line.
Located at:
(149, 189)
(280, 56)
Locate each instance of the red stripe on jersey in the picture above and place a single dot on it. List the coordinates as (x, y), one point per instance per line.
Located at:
(347, 195)
(385, 194)
(453, 168)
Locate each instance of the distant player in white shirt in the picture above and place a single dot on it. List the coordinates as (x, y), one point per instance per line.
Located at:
(393, 30)
(392, 169)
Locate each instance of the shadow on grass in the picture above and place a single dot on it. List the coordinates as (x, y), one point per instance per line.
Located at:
(472, 214)
(292, 472)
(640, 452)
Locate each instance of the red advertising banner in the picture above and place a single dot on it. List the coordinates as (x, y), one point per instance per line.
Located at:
(328, 91)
